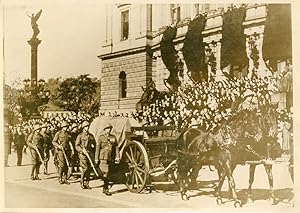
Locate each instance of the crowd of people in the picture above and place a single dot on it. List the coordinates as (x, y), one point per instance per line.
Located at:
(208, 104)
(68, 140)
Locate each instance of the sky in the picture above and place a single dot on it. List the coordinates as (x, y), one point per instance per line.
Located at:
(71, 32)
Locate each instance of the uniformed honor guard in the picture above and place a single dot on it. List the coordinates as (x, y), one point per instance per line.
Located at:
(62, 144)
(35, 142)
(75, 158)
(106, 152)
(85, 145)
(47, 146)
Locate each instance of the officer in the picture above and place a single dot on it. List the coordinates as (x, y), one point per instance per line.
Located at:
(62, 144)
(85, 145)
(47, 146)
(106, 151)
(35, 142)
(75, 158)
(19, 138)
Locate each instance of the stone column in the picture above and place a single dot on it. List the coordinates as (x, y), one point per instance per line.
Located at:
(255, 35)
(34, 43)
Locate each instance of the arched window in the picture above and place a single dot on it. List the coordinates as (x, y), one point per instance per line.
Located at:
(122, 85)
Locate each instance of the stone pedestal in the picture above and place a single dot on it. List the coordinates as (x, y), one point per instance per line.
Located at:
(34, 43)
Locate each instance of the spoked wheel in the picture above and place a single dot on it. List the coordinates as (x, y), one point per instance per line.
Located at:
(137, 161)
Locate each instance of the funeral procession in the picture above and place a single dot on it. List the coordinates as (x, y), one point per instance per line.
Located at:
(147, 105)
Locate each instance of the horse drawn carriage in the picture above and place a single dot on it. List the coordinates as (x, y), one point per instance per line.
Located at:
(144, 151)
(155, 150)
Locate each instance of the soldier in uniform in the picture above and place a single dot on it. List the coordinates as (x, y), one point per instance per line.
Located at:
(75, 158)
(62, 143)
(8, 137)
(85, 145)
(106, 151)
(47, 146)
(19, 138)
(35, 142)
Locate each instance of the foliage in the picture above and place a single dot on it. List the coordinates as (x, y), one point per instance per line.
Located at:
(79, 94)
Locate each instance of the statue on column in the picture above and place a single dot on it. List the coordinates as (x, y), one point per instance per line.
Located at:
(34, 24)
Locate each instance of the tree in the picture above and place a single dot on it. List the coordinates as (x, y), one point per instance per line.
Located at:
(79, 94)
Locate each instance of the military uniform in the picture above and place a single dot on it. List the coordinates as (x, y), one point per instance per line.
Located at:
(75, 158)
(7, 143)
(47, 147)
(35, 142)
(106, 152)
(19, 139)
(85, 141)
(61, 141)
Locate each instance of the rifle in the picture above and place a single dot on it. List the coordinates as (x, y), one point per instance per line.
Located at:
(38, 152)
(90, 160)
(67, 161)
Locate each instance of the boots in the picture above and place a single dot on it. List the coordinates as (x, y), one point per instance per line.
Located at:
(37, 171)
(105, 187)
(46, 169)
(32, 173)
(60, 180)
(87, 186)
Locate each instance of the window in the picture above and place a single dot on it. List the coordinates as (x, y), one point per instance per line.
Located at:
(175, 13)
(124, 25)
(122, 85)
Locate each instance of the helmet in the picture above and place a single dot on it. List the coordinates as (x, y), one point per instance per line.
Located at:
(64, 124)
(108, 125)
(36, 127)
(74, 125)
(84, 124)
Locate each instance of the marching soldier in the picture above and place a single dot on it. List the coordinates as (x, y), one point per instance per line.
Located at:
(85, 145)
(35, 142)
(47, 146)
(106, 151)
(75, 158)
(62, 144)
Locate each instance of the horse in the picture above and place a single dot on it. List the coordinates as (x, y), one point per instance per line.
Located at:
(196, 146)
(266, 149)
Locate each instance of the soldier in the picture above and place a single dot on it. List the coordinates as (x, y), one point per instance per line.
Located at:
(8, 137)
(62, 144)
(19, 138)
(106, 151)
(35, 142)
(85, 145)
(47, 146)
(75, 158)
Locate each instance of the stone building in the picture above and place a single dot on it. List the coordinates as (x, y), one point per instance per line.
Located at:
(131, 53)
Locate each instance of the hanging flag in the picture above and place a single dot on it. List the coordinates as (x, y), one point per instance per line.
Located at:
(233, 48)
(193, 48)
(277, 43)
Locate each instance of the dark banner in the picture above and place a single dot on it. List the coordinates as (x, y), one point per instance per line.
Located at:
(233, 49)
(277, 43)
(193, 49)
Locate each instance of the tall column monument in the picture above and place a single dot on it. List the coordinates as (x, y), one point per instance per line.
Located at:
(34, 43)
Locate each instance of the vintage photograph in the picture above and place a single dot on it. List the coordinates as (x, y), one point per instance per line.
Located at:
(147, 105)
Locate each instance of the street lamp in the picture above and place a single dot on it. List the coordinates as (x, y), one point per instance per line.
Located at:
(33, 96)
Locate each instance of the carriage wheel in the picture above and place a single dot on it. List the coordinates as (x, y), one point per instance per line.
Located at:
(136, 158)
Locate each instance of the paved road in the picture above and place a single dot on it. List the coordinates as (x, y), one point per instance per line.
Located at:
(20, 191)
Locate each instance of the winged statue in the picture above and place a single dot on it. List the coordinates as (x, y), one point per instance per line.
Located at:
(34, 24)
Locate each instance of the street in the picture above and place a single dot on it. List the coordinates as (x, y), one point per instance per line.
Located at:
(21, 192)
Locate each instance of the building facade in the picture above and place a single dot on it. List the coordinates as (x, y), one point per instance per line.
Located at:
(131, 53)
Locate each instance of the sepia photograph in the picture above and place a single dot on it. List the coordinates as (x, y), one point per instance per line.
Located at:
(169, 105)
